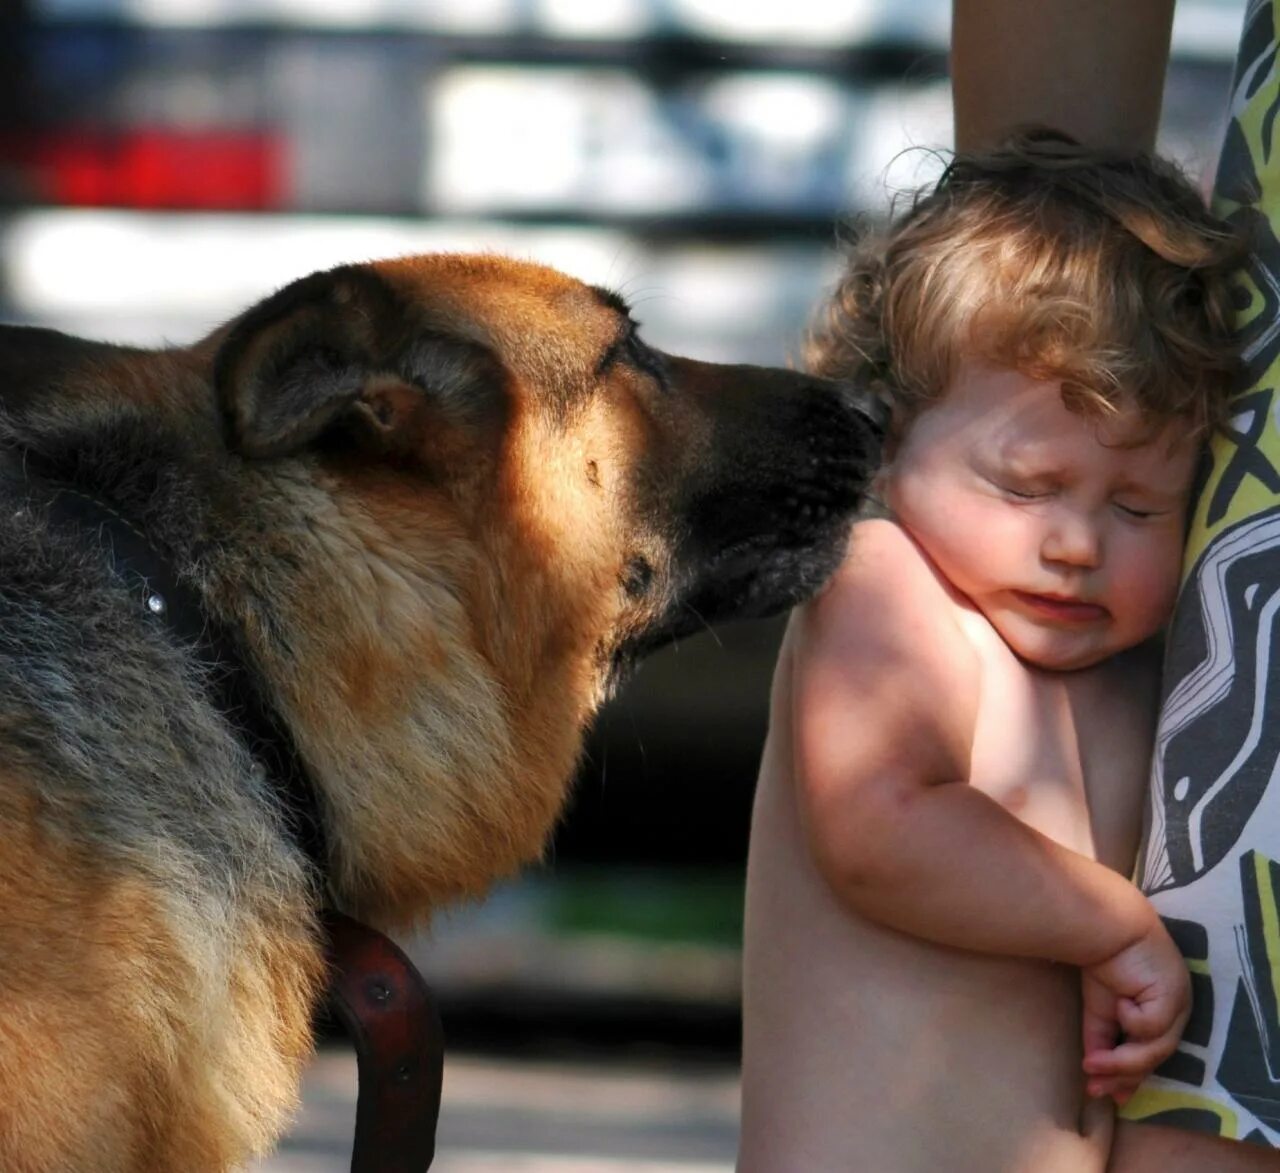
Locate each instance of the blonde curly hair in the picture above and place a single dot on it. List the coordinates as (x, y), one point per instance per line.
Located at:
(1106, 272)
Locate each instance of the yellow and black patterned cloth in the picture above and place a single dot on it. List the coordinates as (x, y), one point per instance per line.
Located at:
(1211, 859)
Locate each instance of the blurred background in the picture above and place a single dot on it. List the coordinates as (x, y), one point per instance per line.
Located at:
(163, 163)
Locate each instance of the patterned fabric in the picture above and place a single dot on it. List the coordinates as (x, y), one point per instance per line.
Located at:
(1211, 861)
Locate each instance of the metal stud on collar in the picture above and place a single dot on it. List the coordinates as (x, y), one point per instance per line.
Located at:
(156, 604)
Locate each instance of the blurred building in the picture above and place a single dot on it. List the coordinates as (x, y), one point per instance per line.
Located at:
(164, 163)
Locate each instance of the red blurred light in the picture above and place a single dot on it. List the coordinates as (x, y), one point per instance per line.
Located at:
(152, 168)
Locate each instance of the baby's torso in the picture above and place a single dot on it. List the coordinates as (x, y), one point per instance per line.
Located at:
(865, 1049)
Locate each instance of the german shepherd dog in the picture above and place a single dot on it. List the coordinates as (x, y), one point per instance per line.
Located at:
(439, 504)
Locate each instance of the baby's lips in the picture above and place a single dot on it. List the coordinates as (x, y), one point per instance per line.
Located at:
(1063, 609)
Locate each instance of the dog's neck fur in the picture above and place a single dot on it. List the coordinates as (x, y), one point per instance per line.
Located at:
(403, 745)
(403, 726)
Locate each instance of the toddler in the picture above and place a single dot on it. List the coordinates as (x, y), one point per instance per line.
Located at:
(946, 967)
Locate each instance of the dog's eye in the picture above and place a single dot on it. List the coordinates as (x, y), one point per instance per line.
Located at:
(611, 357)
(650, 362)
(637, 577)
(628, 349)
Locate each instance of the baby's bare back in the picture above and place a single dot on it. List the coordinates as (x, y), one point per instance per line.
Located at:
(865, 1049)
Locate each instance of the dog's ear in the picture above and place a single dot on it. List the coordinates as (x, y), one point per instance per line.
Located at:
(340, 344)
(294, 362)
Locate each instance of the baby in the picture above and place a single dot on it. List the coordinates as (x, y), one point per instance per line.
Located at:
(946, 968)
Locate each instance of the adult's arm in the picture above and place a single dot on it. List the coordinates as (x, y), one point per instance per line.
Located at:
(1092, 68)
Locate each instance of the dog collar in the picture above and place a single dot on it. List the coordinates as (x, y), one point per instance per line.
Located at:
(163, 598)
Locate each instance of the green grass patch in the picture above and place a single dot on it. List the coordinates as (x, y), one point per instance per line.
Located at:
(659, 906)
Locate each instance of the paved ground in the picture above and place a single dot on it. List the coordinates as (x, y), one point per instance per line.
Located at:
(650, 1024)
(514, 1116)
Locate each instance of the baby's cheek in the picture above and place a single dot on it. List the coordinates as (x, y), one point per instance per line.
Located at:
(1152, 587)
(992, 540)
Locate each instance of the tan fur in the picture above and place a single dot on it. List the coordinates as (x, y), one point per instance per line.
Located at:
(113, 1022)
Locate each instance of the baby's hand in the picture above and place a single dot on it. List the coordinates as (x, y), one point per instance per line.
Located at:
(1144, 992)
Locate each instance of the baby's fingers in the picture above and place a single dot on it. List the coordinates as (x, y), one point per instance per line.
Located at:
(1161, 1017)
(1099, 1034)
(1131, 1060)
(1099, 1021)
(1120, 1090)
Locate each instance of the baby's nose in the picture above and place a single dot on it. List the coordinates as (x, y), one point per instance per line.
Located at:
(1072, 540)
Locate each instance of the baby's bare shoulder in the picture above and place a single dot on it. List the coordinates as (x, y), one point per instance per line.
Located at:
(882, 649)
(886, 591)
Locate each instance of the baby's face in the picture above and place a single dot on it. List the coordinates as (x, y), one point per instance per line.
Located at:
(1068, 543)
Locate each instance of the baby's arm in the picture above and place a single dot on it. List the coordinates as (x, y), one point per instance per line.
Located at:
(885, 699)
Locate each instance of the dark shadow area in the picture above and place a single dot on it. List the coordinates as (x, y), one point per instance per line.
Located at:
(671, 763)
(538, 1026)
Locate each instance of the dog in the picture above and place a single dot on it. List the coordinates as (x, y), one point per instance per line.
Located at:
(440, 505)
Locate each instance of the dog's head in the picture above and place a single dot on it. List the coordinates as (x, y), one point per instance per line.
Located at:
(522, 497)
(622, 496)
